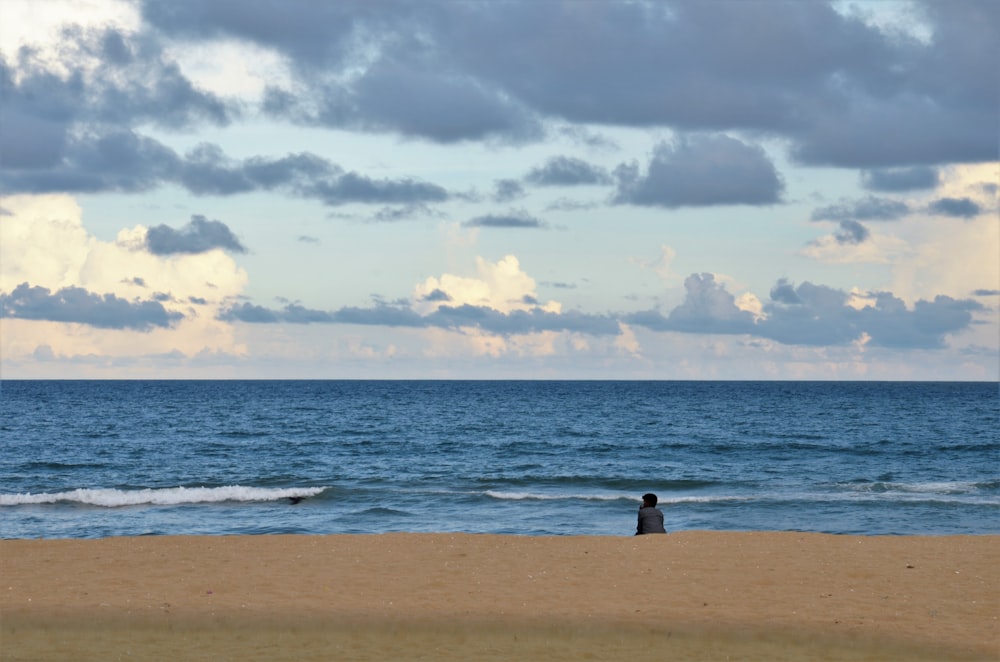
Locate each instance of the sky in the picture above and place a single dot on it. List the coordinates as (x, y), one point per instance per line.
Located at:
(500, 190)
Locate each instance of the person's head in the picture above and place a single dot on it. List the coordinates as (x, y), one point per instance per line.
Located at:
(648, 500)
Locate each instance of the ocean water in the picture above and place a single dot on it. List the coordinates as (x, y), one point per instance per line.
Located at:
(86, 459)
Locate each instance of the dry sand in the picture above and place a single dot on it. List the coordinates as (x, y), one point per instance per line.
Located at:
(683, 596)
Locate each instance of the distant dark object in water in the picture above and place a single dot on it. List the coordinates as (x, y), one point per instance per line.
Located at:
(295, 499)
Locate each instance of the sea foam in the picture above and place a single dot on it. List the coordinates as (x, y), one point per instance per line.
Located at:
(167, 496)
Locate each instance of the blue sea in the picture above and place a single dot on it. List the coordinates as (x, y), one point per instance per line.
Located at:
(89, 459)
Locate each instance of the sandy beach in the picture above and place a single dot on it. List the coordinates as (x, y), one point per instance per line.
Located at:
(688, 595)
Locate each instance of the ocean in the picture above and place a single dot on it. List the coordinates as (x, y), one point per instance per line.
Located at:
(91, 459)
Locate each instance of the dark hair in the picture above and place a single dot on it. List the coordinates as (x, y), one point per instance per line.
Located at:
(649, 498)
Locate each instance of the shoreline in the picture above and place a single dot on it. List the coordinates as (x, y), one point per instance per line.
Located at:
(691, 594)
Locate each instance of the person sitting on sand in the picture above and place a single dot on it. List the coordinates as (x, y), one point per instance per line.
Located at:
(650, 517)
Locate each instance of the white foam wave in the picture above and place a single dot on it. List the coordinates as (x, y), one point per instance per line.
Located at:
(704, 499)
(942, 487)
(535, 496)
(168, 496)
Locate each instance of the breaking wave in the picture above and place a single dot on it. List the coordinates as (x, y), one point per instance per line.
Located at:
(167, 496)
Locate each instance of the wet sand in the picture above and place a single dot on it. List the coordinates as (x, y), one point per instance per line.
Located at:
(682, 596)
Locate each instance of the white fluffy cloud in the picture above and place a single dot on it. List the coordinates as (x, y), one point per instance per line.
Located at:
(500, 285)
(953, 256)
(930, 254)
(46, 245)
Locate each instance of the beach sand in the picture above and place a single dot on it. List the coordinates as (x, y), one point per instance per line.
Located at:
(682, 596)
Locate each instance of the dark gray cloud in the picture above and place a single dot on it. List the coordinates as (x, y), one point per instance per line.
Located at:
(851, 232)
(112, 80)
(403, 213)
(707, 308)
(115, 160)
(198, 236)
(566, 204)
(449, 317)
(836, 91)
(75, 304)
(250, 313)
(506, 190)
(986, 293)
(534, 320)
(441, 106)
(842, 92)
(352, 187)
(437, 295)
(814, 315)
(121, 160)
(77, 131)
(900, 179)
(381, 315)
(206, 170)
(806, 314)
(956, 207)
(701, 171)
(567, 171)
(870, 208)
(517, 219)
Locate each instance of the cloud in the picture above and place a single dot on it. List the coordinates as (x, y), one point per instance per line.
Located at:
(198, 236)
(441, 106)
(436, 295)
(511, 220)
(500, 301)
(701, 171)
(206, 170)
(566, 204)
(103, 78)
(858, 93)
(851, 232)
(950, 258)
(500, 285)
(821, 315)
(453, 317)
(507, 190)
(955, 207)
(567, 171)
(352, 187)
(707, 308)
(866, 94)
(894, 180)
(75, 304)
(251, 313)
(405, 212)
(125, 300)
(814, 315)
(92, 162)
(870, 208)
(120, 160)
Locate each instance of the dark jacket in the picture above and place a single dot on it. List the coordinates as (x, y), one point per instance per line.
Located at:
(650, 521)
